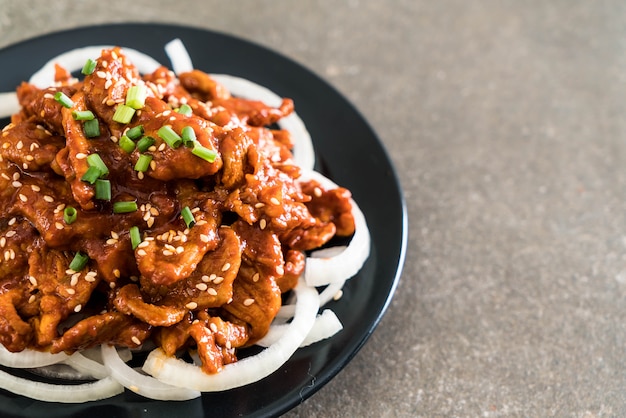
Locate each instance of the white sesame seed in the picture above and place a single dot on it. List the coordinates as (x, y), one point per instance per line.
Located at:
(205, 278)
(19, 145)
(135, 340)
(16, 184)
(259, 205)
(35, 188)
(213, 327)
(338, 295)
(50, 199)
(180, 250)
(111, 241)
(117, 273)
(32, 298)
(3, 242)
(248, 302)
(143, 244)
(81, 156)
(9, 234)
(167, 253)
(74, 279)
(201, 286)
(212, 291)
(256, 277)
(23, 198)
(226, 266)
(58, 225)
(191, 305)
(141, 253)
(70, 291)
(262, 223)
(78, 308)
(218, 280)
(32, 280)
(275, 201)
(280, 270)
(204, 238)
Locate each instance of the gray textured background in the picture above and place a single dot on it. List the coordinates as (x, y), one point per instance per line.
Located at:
(506, 122)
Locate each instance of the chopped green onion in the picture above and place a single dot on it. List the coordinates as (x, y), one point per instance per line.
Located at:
(69, 215)
(92, 128)
(167, 134)
(94, 160)
(188, 135)
(126, 144)
(103, 189)
(143, 163)
(124, 207)
(82, 115)
(135, 133)
(136, 96)
(123, 113)
(204, 152)
(135, 237)
(188, 217)
(89, 67)
(62, 98)
(144, 143)
(92, 175)
(185, 110)
(79, 262)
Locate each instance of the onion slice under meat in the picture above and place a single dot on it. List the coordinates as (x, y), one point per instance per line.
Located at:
(139, 383)
(86, 365)
(28, 358)
(326, 325)
(321, 270)
(92, 391)
(247, 370)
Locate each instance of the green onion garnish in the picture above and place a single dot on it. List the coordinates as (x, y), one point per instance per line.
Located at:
(69, 215)
(123, 113)
(185, 110)
(89, 67)
(135, 133)
(135, 237)
(126, 144)
(79, 262)
(124, 207)
(144, 143)
(62, 98)
(94, 160)
(91, 175)
(82, 115)
(188, 217)
(204, 152)
(167, 134)
(143, 163)
(103, 189)
(136, 96)
(92, 128)
(188, 135)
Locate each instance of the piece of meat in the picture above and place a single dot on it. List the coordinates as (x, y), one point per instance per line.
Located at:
(129, 301)
(211, 284)
(30, 146)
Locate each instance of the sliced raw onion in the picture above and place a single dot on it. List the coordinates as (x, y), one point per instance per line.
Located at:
(179, 57)
(247, 370)
(139, 383)
(320, 269)
(92, 391)
(28, 358)
(8, 104)
(326, 325)
(87, 366)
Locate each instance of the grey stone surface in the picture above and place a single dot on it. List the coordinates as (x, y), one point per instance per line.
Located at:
(506, 121)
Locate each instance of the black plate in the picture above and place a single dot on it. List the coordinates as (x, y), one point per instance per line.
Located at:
(347, 150)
